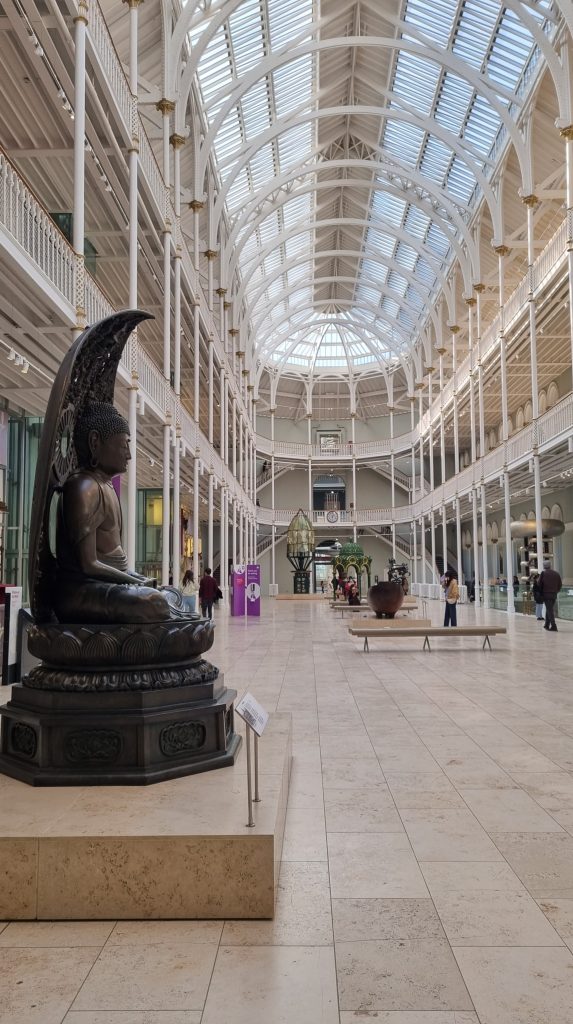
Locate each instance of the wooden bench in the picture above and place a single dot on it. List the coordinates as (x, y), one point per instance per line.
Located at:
(372, 631)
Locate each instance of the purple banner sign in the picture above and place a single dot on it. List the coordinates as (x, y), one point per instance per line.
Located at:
(238, 578)
(253, 590)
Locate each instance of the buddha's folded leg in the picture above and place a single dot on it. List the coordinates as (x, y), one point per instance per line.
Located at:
(95, 601)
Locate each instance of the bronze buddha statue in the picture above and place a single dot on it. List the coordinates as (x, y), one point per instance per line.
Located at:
(93, 582)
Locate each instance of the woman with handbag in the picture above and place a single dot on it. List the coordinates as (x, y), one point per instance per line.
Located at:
(452, 592)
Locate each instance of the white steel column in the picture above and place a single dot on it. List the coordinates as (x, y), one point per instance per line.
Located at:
(531, 202)
(166, 511)
(433, 545)
(502, 251)
(234, 434)
(458, 538)
(423, 548)
(567, 135)
(471, 302)
(196, 518)
(273, 527)
(78, 230)
(474, 499)
(354, 496)
(485, 569)
(196, 362)
(454, 329)
(210, 396)
(176, 571)
(210, 551)
(234, 532)
(413, 450)
(445, 538)
(392, 479)
(131, 523)
(222, 552)
(415, 566)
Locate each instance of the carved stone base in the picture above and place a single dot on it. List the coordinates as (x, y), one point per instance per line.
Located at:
(124, 738)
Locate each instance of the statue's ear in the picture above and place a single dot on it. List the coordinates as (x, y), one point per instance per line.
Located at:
(93, 441)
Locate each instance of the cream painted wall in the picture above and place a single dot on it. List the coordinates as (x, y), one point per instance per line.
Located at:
(372, 490)
(375, 429)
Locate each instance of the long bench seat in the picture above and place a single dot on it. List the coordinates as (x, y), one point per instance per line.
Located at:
(372, 631)
(343, 607)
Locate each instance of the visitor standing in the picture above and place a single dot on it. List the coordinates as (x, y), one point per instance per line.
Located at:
(207, 592)
(537, 596)
(549, 585)
(452, 593)
(189, 591)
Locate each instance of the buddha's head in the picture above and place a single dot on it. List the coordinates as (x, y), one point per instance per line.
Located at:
(101, 438)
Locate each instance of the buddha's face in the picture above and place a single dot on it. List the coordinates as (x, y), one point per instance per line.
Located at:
(112, 454)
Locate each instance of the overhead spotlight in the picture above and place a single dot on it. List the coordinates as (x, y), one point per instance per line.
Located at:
(38, 49)
(61, 94)
(25, 366)
(11, 355)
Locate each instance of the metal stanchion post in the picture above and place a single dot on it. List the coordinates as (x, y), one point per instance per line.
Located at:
(251, 822)
(256, 745)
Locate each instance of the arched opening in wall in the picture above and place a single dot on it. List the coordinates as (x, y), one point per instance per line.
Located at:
(552, 395)
(519, 419)
(329, 493)
(528, 412)
(542, 402)
(557, 513)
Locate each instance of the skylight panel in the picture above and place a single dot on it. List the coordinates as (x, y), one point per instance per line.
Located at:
(247, 36)
(283, 15)
(229, 138)
(239, 191)
(262, 166)
(214, 71)
(436, 159)
(255, 109)
(475, 29)
(415, 81)
(437, 241)
(294, 145)
(405, 256)
(374, 270)
(403, 141)
(387, 206)
(460, 182)
(435, 20)
(416, 222)
(454, 99)
(291, 83)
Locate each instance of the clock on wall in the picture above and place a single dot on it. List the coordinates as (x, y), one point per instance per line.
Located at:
(332, 517)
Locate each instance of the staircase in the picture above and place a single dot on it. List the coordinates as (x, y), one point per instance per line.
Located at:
(266, 543)
(265, 478)
(400, 479)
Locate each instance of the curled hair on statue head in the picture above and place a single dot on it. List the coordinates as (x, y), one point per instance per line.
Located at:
(101, 418)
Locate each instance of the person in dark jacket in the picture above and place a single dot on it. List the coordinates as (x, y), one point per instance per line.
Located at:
(549, 586)
(207, 592)
(537, 596)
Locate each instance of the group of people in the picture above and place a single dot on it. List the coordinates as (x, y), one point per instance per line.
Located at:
(208, 592)
(346, 590)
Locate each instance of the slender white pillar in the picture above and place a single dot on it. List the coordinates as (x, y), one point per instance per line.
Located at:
(567, 135)
(508, 542)
(210, 550)
(196, 362)
(444, 538)
(458, 538)
(502, 251)
(474, 495)
(234, 531)
(415, 567)
(234, 434)
(211, 389)
(222, 545)
(177, 510)
(354, 494)
(196, 518)
(166, 511)
(454, 331)
(531, 202)
(423, 548)
(413, 450)
(485, 570)
(273, 528)
(131, 518)
(433, 545)
(471, 302)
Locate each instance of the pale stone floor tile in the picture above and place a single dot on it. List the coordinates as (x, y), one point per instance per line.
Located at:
(529, 985)
(494, 919)
(560, 913)
(38, 985)
(273, 985)
(67, 934)
(148, 933)
(373, 865)
(302, 916)
(508, 810)
(359, 810)
(408, 1017)
(154, 977)
(448, 835)
(134, 1017)
(470, 876)
(553, 790)
(343, 772)
(413, 974)
(305, 790)
(391, 919)
(543, 861)
(305, 835)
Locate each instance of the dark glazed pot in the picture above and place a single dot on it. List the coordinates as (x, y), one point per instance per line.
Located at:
(385, 599)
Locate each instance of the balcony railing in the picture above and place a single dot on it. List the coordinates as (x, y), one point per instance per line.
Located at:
(31, 227)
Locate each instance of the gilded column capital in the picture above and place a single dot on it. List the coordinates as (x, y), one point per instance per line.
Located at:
(210, 254)
(567, 133)
(196, 205)
(502, 250)
(454, 328)
(530, 200)
(471, 301)
(177, 140)
(479, 288)
(165, 106)
(221, 292)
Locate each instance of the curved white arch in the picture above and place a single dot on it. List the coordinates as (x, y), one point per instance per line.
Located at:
(352, 183)
(480, 82)
(307, 226)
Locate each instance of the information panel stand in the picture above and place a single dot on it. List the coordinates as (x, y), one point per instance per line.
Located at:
(253, 590)
(238, 580)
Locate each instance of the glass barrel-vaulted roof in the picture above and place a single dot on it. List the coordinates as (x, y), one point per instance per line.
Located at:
(352, 141)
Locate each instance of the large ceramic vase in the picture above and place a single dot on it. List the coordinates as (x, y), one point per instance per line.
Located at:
(385, 599)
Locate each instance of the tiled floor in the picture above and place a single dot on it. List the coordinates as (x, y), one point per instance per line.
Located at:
(428, 861)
